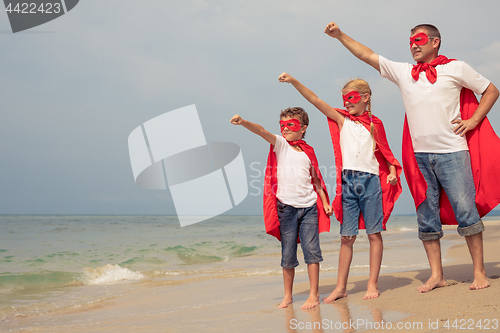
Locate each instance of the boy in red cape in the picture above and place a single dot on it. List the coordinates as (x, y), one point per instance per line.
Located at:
(450, 152)
(296, 204)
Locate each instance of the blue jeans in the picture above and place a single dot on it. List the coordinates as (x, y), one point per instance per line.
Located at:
(361, 192)
(452, 172)
(298, 223)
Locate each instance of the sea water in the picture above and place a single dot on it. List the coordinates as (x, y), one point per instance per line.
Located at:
(49, 263)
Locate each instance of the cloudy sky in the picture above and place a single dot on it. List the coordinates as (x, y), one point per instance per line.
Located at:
(72, 90)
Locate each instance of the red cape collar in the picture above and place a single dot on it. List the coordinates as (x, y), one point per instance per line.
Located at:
(429, 68)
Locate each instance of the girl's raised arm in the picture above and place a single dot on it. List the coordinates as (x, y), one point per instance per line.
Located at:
(321, 105)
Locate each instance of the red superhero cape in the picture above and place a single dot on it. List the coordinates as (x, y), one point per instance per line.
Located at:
(382, 152)
(484, 148)
(271, 185)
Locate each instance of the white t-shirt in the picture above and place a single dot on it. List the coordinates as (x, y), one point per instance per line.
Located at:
(430, 108)
(356, 145)
(294, 176)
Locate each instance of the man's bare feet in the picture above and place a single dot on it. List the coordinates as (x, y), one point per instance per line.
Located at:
(335, 295)
(432, 283)
(480, 282)
(311, 302)
(371, 292)
(285, 302)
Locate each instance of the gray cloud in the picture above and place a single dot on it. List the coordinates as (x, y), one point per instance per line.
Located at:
(71, 97)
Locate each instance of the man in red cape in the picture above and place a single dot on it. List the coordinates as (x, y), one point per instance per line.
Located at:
(482, 142)
(383, 153)
(430, 91)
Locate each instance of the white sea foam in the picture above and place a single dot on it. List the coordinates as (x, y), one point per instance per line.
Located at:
(407, 229)
(109, 274)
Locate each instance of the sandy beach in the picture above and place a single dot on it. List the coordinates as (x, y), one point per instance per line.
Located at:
(248, 304)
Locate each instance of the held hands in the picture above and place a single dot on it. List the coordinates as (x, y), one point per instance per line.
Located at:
(237, 120)
(463, 126)
(332, 30)
(285, 77)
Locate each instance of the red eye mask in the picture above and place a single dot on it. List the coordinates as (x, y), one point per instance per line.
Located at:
(292, 124)
(352, 97)
(419, 39)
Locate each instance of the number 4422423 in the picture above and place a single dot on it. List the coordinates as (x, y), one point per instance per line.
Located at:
(471, 324)
(33, 8)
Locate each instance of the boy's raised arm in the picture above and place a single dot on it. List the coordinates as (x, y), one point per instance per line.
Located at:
(321, 105)
(360, 51)
(255, 128)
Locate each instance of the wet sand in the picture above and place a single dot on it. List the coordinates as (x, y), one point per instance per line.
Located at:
(247, 304)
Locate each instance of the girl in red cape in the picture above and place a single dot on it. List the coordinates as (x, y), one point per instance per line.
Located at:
(368, 182)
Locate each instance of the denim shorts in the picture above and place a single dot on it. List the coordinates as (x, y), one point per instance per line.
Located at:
(452, 172)
(361, 192)
(298, 223)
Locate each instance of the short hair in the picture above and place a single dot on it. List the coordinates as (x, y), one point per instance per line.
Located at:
(296, 112)
(432, 31)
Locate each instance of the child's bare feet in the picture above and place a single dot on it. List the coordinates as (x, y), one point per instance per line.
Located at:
(432, 283)
(371, 291)
(335, 295)
(311, 302)
(285, 302)
(479, 282)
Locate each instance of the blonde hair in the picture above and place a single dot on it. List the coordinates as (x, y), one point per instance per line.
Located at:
(362, 87)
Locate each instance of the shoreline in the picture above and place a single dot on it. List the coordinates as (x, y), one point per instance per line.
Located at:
(246, 304)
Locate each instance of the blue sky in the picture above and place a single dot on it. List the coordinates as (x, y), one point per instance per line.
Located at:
(73, 89)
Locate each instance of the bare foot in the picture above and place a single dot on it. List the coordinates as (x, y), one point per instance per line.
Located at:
(371, 292)
(480, 282)
(285, 302)
(432, 283)
(335, 295)
(311, 302)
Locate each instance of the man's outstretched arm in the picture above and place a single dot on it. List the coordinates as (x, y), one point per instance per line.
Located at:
(360, 51)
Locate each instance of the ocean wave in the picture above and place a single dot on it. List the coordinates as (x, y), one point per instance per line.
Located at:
(141, 260)
(221, 273)
(28, 283)
(109, 274)
(242, 251)
(42, 281)
(194, 259)
(178, 248)
(210, 252)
